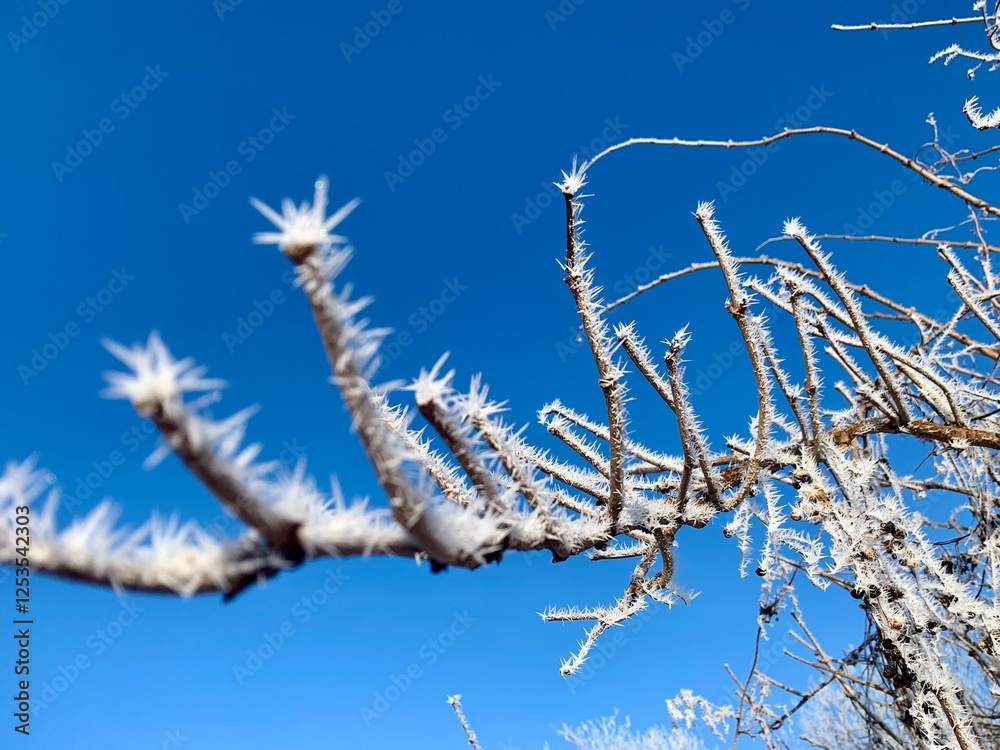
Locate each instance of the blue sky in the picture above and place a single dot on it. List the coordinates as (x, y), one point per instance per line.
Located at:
(135, 134)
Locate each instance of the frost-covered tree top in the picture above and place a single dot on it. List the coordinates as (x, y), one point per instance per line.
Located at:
(810, 491)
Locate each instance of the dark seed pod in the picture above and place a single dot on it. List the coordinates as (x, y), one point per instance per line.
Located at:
(858, 592)
(946, 599)
(889, 648)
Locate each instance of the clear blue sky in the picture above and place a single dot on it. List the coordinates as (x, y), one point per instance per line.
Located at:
(130, 234)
